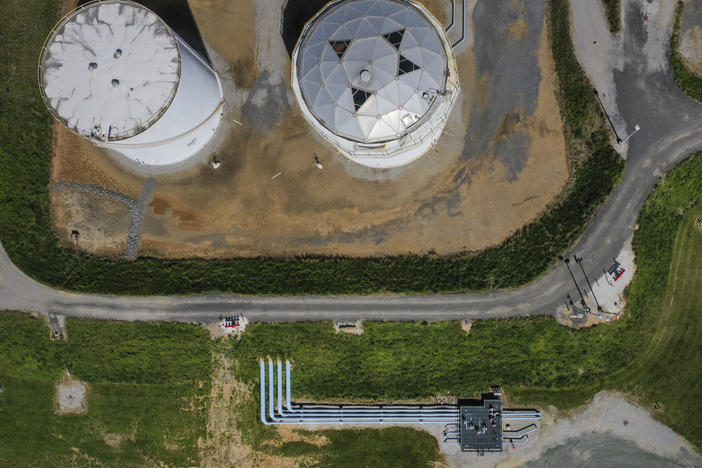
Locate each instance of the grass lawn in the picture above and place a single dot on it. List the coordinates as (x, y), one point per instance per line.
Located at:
(149, 395)
(392, 361)
(668, 370)
(146, 387)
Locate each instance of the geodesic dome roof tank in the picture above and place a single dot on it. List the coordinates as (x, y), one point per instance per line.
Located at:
(113, 72)
(377, 78)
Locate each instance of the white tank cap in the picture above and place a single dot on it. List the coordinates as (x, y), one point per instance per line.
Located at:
(110, 68)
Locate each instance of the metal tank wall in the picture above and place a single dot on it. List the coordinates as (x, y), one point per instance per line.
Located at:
(190, 121)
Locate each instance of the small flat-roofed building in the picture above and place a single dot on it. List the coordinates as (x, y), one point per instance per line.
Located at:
(481, 424)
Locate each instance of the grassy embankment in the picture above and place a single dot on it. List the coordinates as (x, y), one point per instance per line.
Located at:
(688, 81)
(26, 231)
(613, 15)
(144, 378)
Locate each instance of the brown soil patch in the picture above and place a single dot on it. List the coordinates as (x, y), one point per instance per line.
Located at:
(215, 330)
(547, 127)
(482, 91)
(518, 29)
(68, 6)
(102, 224)
(224, 445)
(228, 27)
(440, 9)
(78, 160)
(113, 440)
(439, 204)
(288, 434)
(691, 49)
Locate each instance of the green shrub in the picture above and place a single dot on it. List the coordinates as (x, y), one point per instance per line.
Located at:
(613, 15)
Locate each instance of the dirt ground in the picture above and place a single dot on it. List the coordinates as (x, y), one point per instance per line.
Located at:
(691, 36)
(224, 445)
(91, 223)
(466, 194)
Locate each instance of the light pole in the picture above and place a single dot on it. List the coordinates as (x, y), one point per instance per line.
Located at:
(567, 261)
(636, 129)
(579, 261)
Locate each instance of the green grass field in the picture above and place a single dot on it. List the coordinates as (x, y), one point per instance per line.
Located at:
(149, 388)
(146, 384)
(668, 369)
(392, 361)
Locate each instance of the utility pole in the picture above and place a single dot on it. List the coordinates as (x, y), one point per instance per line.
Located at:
(567, 261)
(579, 261)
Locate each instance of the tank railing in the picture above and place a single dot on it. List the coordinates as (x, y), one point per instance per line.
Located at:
(379, 153)
(419, 136)
(118, 135)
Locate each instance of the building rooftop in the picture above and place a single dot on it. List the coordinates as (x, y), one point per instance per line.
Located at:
(481, 424)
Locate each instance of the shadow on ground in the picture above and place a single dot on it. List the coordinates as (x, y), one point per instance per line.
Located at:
(296, 13)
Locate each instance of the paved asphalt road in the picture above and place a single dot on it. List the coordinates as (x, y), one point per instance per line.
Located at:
(669, 123)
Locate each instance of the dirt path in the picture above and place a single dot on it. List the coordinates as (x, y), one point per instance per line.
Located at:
(225, 445)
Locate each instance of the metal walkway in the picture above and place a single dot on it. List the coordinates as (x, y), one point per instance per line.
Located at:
(455, 34)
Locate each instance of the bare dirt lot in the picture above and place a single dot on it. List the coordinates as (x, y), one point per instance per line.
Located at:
(691, 36)
(499, 164)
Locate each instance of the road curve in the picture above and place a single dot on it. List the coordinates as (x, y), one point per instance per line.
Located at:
(646, 95)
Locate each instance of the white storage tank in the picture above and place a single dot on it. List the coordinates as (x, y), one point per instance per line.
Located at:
(376, 78)
(113, 72)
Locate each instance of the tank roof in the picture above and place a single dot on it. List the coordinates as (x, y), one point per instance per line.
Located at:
(369, 70)
(110, 69)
